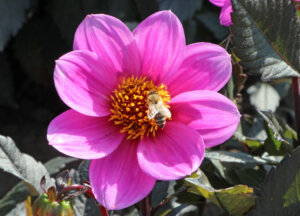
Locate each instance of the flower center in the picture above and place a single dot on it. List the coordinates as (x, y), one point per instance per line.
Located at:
(130, 106)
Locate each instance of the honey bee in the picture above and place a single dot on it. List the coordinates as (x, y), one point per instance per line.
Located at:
(157, 109)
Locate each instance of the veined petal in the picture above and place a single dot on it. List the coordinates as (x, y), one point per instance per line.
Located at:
(84, 82)
(117, 180)
(213, 115)
(161, 42)
(111, 39)
(176, 152)
(218, 3)
(82, 136)
(206, 66)
(225, 17)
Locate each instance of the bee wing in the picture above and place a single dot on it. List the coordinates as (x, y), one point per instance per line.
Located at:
(152, 111)
(166, 111)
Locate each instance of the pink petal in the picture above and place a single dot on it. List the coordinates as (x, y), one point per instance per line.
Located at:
(161, 44)
(205, 66)
(84, 82)
(225, 17)
(82, 136)
(213, 115)
(218, 3)
(176, 152)
(111, 39)
(117, 180)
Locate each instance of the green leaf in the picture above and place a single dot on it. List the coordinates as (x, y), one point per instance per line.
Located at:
(159, 192)
(218, 174)
(278, 196)
(253, 143)
(275, 144)
(290, 133)
(234, 157)
(253, 126)
(12, 16)
(56, 164)
(271, 158)
(189, 198)
(173, 211)
(16, 195)
(287, 132)
(22, 166)
(223, 171)
(266, 37)
(19, 210)
(292, 196)
(236, 200)
(250, 177)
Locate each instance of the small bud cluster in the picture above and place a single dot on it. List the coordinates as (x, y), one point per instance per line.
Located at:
(58, 200)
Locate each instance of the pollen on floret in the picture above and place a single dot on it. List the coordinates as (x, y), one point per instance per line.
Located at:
(129, 106)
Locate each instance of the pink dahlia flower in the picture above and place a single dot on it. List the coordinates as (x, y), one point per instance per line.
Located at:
(106, 80)
(225, 18)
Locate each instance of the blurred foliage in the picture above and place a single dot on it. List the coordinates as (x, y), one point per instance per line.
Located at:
(236, 200)
(13, 15)
(233, 175)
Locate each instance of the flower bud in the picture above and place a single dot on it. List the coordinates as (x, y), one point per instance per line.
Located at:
(44, 206)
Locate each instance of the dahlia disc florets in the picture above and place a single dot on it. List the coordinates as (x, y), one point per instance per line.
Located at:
(129, 106)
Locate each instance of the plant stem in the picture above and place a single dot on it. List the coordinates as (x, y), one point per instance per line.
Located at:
(164, 202)
(296, 91)
(146, 206)
(70, 188)
(103, 210)
(225, 43)
(87, 192)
